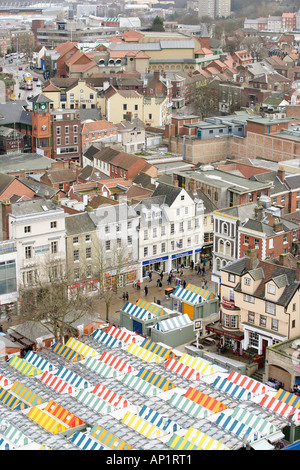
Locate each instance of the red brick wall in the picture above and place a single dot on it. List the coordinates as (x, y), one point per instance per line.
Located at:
(16, 187)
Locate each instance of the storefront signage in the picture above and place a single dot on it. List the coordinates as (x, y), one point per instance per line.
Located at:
(157, 260)
(185, 253)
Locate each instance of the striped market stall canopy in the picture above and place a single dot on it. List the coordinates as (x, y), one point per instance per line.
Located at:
(116, 363)
(14, 435)
(111, 397)
(203, 293)
(144, 354)
(163, 423)
(180, 443)
(12, 401)
(54, 418)
(138, 312)
(257, 388)
(204, 400)
(121, 334)
(95, 402)
(183, 370)
(100, 368)
(204, 441)
(23, 366)
(108, 340)
(67, 353)
(198, 364)
(185, 295)
(26, 395)
(142, 426)
(84, 442)
(232, 389)
(179, 321)
(189, 407)
(155, 309)
(140, 385)
(156, 348)
(237, 427)
(61, 386)
(72, 378)
(261, 425)
(108, 439)
(81, 348)
(156, 380)
(4, 382)
(5, 444)
(289, 398)
(38, 361)
(278, 406)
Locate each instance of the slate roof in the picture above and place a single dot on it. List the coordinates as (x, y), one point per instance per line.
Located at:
(271, 177)
(293, 182)
(170, 192)
(79, 223)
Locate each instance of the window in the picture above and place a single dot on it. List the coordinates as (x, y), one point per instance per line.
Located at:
(88, 238)
(263, 320)
(27, 229)
(66, 129)
(76, 274)
(163, 247)
(58, 130)
(246, 240)
(75, 240)
(129, 240)
(53, 224)
(145, 234)
(180, 226)
(76, 255)
(249, 298)
(75, 129)
(274, 324)
(270, 308)
(231, 277)
(145, 251)
(28, 252)
(154, 232)
(271, 289)
(285, 239)
(124, 107)
(107, 245)
(172, 228)
(88, 252)
(150, 116)
(253, 339)
(107, 229)
(271, 243)
(154, 249)
(163, 230)
(54, 247)
(251, 317)
(247, 281)
(58, 141)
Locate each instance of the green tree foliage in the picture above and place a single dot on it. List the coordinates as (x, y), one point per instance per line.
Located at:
(158, 24)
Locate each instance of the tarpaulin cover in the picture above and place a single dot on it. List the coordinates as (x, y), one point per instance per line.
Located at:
(182, 369)
(140, 385)
(157, 349)
(144, 354)
(81, 348)
(23, 366)
(12, 401)
(26, 395)
(38, 361)
(116, 363)
(205, 400)
(154, 417)
(204, 441)
(154, 379)
(189, 406)
(72, 378)
(198, 364)
(67, 353)
(111, 397)
(108, 439)
(232, 389)
(85, 442)
(61, 386)
(142, 426)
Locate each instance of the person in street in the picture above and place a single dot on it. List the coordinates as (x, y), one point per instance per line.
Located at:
(138, 285)
(126, 296)
(158, 282)
(146, 291)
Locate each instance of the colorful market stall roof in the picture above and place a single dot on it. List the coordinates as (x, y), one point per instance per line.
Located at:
(66, 352)
(257, 388)
(110, 396)
(14, 435)
(11, 400)
(180, 321)
(101, 368)
(232, 389)
(142, 426)
(96, 403)
(280, 407)
(205, 400)
(157, 349)
(140, 385)
(38, 361)
(84, 442)
(116, 363)
(61, 386)
(204, 441)
(165, 424)
(203, 293)
(138, 312)
(108, 340)
(198, 364)
(54, 418)
(287, 397)
(184, 295)
(122, 334)
(183, 370)
(155, 309)
(144, 354)
(81, 348)
(72, 378)
(237, 427)
(261, 425)
(180, 443)
(26, 395)
(156, 380)
(4, 382)
(188, 406)
(23, 366)
(108, 439)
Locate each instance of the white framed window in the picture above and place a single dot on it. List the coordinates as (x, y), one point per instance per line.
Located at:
(271, 308)
(271, 289)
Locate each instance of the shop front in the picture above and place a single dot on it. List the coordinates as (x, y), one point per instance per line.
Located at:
(182, 259)
(227, 339)
(155, 265)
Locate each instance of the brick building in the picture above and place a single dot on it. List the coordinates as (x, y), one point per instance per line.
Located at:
(66, 131)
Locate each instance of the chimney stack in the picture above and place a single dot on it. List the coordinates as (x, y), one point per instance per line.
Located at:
(251, 258)
(259, 212)
(283, 259)
(281, 174)
(298, 271)
(6, 210)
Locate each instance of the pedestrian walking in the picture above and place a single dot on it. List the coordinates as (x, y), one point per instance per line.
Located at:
(192, 265)
(169, 280)
(158, 282)
(184, 283)
(199, 269)
(138, 285)
(161, 275)
(205, 284)
(146, 291)
(150, 276)
(126, 296)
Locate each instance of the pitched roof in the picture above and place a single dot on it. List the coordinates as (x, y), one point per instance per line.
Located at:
(62, 175)
(79, 223)
(170, 192)
(97, 126)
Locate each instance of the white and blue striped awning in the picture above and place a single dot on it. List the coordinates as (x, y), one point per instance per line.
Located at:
(232, 389)
(158, 420)
(173, 323)
(237, 427)
(186, 295)
(106, 339)
(72, 378)
(38, 361)
(137, 312)
(85, 442)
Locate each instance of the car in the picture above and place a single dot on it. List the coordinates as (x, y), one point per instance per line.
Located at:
(38, 84)
(20, 68)
(35, 79)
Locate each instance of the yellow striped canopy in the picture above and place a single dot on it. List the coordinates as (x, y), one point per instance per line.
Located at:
(143, 353)
(198, 364)
(154, 379)
(23, 366)
(68, 353)
(153, 308)
(157, 349)
(108, 439)
(205, 294)
(287, 397)
(46, 421)
(204, 441)
(28, 396)
(81, 348)
(180, 443)
(142, 426)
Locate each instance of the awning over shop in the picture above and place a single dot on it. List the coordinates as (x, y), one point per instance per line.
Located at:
(142, 426)
(140, 385)
(158, 420)
(38, 361)
(188, 406)
(111, 397)
(85, 442)
(108, 439)
(144, 354)
(154, 379)
(257, 388)
(157, 349)
(204, 441)
(26, 395)
(81, 348)
(11, 400)
(96, 403)
(72, 378)
(23, 366)
(61, 386)
(205, 400)
(232, 389)
(101, 368)
(67, 353)
(183, 370)
(198, 364)
(180, 321)
(116, 363)
(217, 328)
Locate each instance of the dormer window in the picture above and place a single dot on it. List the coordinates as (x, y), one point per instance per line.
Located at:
(247, 281)
(271, 289)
